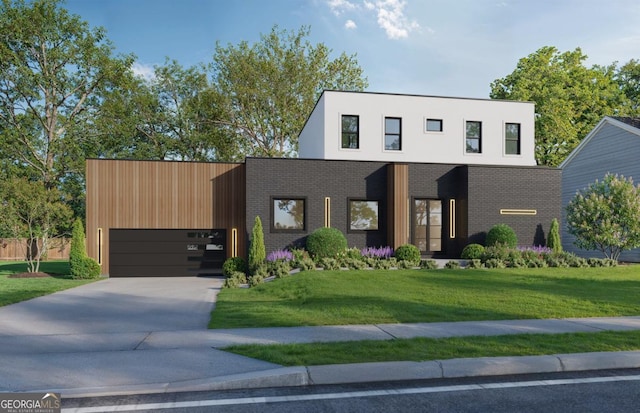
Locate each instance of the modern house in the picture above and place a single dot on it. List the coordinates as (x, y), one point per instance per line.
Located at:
(385, 169)
(613, 146)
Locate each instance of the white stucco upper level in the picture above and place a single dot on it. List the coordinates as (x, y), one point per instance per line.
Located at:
(409, 128)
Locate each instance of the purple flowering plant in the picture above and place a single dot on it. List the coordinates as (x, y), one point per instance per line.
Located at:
(283, 255)
(377, 252)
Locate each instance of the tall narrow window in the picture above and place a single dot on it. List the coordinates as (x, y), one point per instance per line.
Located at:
(427, 225)
(473, 137)
(350, 132)
(393, 134)
(512, 139)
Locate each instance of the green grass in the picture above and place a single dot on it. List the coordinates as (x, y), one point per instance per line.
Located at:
(13, 290)
(423, 349)
(410, 296)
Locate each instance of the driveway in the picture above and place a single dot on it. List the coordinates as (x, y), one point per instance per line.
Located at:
(116, 305)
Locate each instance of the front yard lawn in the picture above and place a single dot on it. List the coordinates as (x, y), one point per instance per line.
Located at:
(411, 296)
(13, 290)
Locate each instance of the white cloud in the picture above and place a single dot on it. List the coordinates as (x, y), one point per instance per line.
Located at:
(144, 71)
(392, 19)
(340, 6)
(350, 25)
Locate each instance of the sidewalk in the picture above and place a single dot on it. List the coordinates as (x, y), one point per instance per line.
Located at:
(79, 365)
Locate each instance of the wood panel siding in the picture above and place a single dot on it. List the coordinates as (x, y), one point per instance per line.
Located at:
(398, 204)
(162, 195)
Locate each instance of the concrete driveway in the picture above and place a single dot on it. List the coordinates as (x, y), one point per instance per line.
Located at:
(116, 305)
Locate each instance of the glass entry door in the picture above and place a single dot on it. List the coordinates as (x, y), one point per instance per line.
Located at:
(427, 225)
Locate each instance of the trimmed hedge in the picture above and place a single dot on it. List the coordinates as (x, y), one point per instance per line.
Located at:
(408, 252)
(326, 243)
(472, 252)
(502, 234)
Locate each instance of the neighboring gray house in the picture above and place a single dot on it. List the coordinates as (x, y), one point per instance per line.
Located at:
(613, 146)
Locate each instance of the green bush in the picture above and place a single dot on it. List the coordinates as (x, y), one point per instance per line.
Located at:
(352, 263)
(306, 264)
(256, 280)
(537, 263)
(235, 280)
(81, 265)
(326, 243)
(553, 240)
(475, 263)
(452, 265)
(329, 263)
(382, 264)
(497, 252)
(494, 263)
(502, 234)
(472, 252)
(517, 263)
(408, 252)
(233, 264)
(278, 268)
(405, 265)
(429, 264)
(257, 251)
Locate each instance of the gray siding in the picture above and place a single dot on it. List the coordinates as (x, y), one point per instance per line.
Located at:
(610, 150)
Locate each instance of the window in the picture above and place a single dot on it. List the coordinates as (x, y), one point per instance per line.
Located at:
(427, 224)
(512, 139)
(350, 132)
(393, 134)
(474, 137)
(434, 125)
(363, 215)
(288, 214)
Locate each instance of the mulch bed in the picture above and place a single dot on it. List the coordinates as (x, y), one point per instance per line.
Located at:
(31, 275)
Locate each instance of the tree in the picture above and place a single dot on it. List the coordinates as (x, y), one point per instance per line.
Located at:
(269, 88)
(606, 216)
(81, 265)
(32, 211)
(553, 241)
(257, 252)
(53, 71)
(570, 98)
(628, 78)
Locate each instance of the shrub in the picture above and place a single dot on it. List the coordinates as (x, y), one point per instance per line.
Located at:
(497, 252)
(404, 264)
(279, 268)
(326, 243)
(429, 264)
(351, 253)
(257, 253)
(352, 263)
(408, 252)
(502, 234)
(81, 265)
(537, 263)
(517, 263)
(382, 264)
(472, 252)
(452, 265)
(475, 263)
(329, 263)
(235, 280)
(233, 264)
(553, 240)
(256, 280)
(494, 263)
(306, 264)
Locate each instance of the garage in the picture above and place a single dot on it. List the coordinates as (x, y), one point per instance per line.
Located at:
(166, 252)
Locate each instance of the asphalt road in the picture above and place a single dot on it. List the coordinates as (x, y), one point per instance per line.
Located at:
(603, 391)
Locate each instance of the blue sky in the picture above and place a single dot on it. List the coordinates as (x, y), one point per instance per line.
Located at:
(432, 47)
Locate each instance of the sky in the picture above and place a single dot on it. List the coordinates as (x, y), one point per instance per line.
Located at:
(426, 47)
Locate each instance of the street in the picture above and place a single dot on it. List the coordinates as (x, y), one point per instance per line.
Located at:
(604, 391)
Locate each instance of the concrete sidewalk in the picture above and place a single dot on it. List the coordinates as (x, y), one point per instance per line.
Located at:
(190, 360)
(127, 336)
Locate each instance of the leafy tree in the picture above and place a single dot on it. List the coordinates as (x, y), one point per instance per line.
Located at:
(267, 89)
(553, 240)
(628, 78)
(32, 211)
(570, 98)
(606, 216)
(53, 71)
(257, 251)
(81, 265)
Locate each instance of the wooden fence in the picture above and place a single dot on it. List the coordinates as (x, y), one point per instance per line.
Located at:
(12, 249)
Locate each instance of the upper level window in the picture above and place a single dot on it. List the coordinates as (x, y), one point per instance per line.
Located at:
(393, 134)
(288, 214)
(512, 139)
(473, 137)
(350, 132)
(434, 125)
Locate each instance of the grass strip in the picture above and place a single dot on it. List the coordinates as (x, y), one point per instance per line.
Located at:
(413, 296)
(424, 349)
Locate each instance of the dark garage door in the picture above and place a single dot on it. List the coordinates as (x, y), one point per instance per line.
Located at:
(166, 252)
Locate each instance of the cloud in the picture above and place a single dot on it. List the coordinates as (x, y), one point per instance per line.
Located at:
(340, 6)
(144, 71)
(350, 25)
(392, 19)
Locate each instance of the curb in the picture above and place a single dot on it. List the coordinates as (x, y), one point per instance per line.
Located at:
(378, 372)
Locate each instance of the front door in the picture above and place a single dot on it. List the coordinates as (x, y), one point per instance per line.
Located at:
(427, 225)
